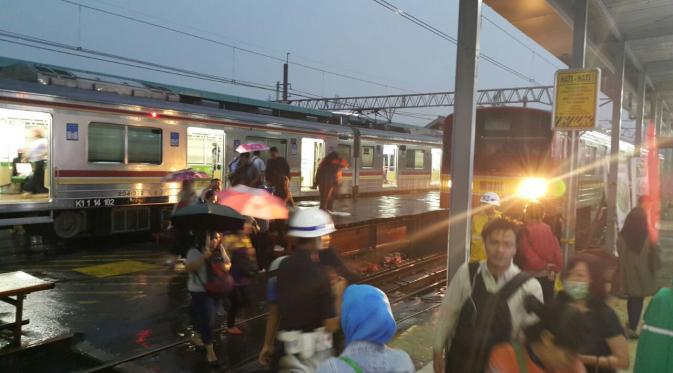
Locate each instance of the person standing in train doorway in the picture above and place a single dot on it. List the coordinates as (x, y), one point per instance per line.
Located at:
(258, 164)
(39, 149)
(489, 203)
(278, 176)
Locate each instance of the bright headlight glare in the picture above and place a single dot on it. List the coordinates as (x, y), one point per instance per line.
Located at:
(532, 188)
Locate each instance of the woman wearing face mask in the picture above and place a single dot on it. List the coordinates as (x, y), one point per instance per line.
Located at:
(586, 286)
(551, 345)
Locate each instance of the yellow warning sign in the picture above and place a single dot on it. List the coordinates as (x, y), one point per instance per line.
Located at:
(576, 99)
(116, 268)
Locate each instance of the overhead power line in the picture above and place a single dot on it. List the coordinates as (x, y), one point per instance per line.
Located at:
(232, 46)
(452, 39)
(518, 40)
(150, 66)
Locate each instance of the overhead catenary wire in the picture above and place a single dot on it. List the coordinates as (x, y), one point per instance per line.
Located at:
(452, 39)
(234, 46)
(146, 65)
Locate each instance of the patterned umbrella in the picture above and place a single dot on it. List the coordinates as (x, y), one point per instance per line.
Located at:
(247, 148)
(253, 202)
(186, 174)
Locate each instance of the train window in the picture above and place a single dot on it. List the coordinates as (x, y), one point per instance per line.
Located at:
(106, 142)
(344, 152)
(367, 156)
(204, 150)
(590, 159)
(144, 145)
(416, 159)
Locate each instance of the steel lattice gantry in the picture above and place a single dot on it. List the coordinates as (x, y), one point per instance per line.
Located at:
(485, 97)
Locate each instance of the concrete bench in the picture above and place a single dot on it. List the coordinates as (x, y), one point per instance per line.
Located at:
(14, 287)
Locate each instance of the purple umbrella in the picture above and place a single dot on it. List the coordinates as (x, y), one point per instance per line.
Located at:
(186, 174)
(247, 148)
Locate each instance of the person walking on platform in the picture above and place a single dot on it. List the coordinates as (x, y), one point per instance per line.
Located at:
(551, 345)
(539, 251)
(278, 176)
(203, 305)
(305, 302)
(638, 263)
(488, 204)
(327, 180)
(483, 304)
(586, 286)
(368, 323)
(243, 269)
(655, 346)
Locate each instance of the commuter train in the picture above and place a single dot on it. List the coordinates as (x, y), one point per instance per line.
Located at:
(518, 155)
(111, 140)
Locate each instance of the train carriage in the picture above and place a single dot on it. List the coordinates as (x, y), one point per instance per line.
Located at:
(111, 140)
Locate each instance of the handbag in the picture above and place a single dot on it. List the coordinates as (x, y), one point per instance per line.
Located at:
(654, 259)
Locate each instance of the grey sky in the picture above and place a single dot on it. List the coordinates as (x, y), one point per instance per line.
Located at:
(354, 37)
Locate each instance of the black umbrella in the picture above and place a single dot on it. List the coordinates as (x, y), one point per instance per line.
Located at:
(208, 216)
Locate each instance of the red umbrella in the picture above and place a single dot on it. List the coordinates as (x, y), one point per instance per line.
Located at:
(253, 202)
(247, 148)
(186, 174)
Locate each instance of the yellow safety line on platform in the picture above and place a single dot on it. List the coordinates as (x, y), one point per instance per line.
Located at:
(116, 268)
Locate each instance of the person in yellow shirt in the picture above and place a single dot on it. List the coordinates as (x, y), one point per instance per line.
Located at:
(489, 202)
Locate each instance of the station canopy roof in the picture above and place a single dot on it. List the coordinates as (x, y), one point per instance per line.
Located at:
(646, 27)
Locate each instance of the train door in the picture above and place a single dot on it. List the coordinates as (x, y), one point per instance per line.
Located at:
(390, 155)
(312, 152)
(435, 166)
(205, 150)
(25, 155)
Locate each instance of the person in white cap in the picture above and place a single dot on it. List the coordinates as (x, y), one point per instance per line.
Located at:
(306, 301)
(489, 201)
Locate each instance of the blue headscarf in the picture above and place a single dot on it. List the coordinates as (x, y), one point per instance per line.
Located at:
(366, 315)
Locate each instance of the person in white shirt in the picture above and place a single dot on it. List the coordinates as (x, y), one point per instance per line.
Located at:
(498, 269)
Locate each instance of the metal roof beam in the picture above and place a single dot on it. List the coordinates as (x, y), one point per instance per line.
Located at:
(485, 97)
(650, 33)
(661, 66)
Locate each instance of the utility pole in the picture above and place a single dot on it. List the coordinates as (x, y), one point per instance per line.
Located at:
(277, 90)
(285, 72)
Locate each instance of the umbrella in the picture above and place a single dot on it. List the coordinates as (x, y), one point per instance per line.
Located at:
(186, 174)
(254, 202)
(208, 216)
(247, 148)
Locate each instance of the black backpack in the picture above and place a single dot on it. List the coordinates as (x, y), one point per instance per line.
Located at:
(485, 320)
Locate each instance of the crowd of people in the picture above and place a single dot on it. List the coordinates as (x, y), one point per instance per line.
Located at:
(515, 306)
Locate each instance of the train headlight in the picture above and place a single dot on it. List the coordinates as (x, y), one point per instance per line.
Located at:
(532, 188)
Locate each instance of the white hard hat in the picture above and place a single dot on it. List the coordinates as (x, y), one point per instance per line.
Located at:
(490, 198)
(310, 222)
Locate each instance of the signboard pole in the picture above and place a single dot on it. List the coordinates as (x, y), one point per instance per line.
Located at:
(580, 16)
(613, 173)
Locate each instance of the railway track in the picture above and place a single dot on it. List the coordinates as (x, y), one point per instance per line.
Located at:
(412, 278)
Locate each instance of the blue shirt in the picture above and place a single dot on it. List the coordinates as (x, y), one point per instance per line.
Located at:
(370, 357)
